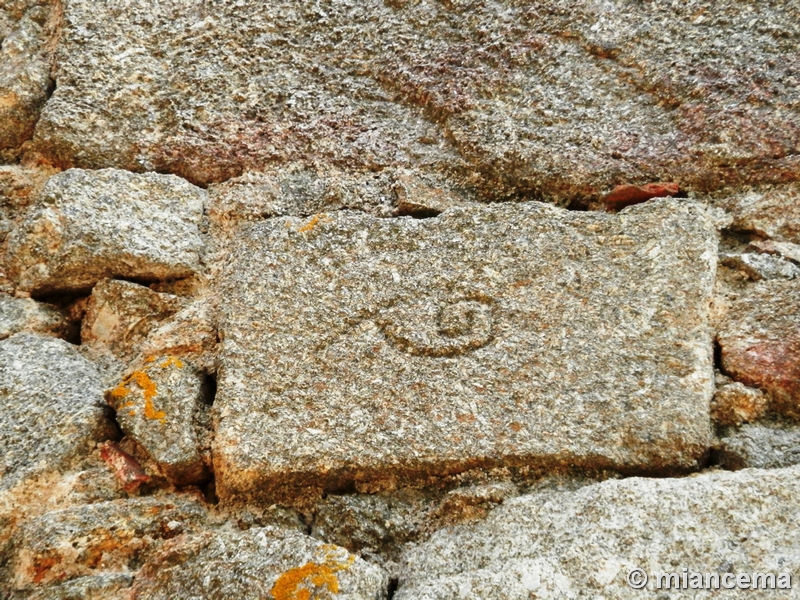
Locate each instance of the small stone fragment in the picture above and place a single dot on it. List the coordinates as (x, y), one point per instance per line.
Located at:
(121, 314)
(473, 502)
(104, 537)
(626, 195)
(418, 197)
(88, 225)
(761, 266)
(257, 563)
(787, 250)
(364, 351)
(734, 403)
(296, 189)
(52, 406)
(584, 544)
(129, 473)
(373, 523)
(157, 405)
(190, 332)
(772, 213)
(760, 446)
(24, 314)
(760, 342)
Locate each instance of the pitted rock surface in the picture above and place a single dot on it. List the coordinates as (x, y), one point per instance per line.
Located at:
(24, 314)
(121, 314)
(90, 225)
(103, 537)
(357, 349)
(258, 563)
(26, 31)
(52, 407)
(583, 544)
(159, 404)
(544, 97)
(760, 343)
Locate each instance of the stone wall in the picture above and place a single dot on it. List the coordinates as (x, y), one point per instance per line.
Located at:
(399, 298)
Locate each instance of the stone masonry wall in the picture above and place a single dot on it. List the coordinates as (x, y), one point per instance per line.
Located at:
(419, 299)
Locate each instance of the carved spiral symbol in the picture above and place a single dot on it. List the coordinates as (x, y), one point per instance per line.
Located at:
(430, 328)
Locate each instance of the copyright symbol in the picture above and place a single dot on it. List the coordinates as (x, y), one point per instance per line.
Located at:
(637, 579)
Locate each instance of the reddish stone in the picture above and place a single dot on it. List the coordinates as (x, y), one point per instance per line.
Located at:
(760, 343)
(128, 471)
(625, 195)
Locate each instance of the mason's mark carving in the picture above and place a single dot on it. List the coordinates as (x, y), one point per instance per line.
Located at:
(429, 327)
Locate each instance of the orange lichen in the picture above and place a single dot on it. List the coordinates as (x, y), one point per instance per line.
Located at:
(149, 390)
(172, 360)
(287, 587)
(150, 411)
(120, 391)
(315, 220)
(294, 584)
(150, 359)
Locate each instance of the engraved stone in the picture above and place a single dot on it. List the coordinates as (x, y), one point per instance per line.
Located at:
(373, 352)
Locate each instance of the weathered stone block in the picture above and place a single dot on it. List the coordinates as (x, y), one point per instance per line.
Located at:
(89, 225)
(25, 62)
(158, 405)
(24, 314)
(761, 446)
(258, 563)
(108, 536)
(358, 349)
(51, 406)
(583, 544)
(121, 314)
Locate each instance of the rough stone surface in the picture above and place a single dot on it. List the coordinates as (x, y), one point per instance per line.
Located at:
(734, 403)
(761, 446)
(111, 536)
(541, 97)
(786, 250)
(52, 406)
(18, 187)
(358, 349)
(426, 196)
(373, 524)
(772, 213)
(89, 225)
(158, 405)
(760, 342)
(295, 189)
(24, 314)
(583, 544)
(190, 332)
(258, 563)
(761, 266)
(121, 314)
(112, 586)
(26, 29)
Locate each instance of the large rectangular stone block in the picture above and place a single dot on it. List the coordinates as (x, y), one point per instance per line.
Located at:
(374, 351)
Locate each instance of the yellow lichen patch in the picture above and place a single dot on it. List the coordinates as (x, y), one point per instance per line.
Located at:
(315, 220)
(172, 360)
(150, 359)
(288, 585)
(150, 411)
(294, 584)
(149, 390)
(120, 391)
